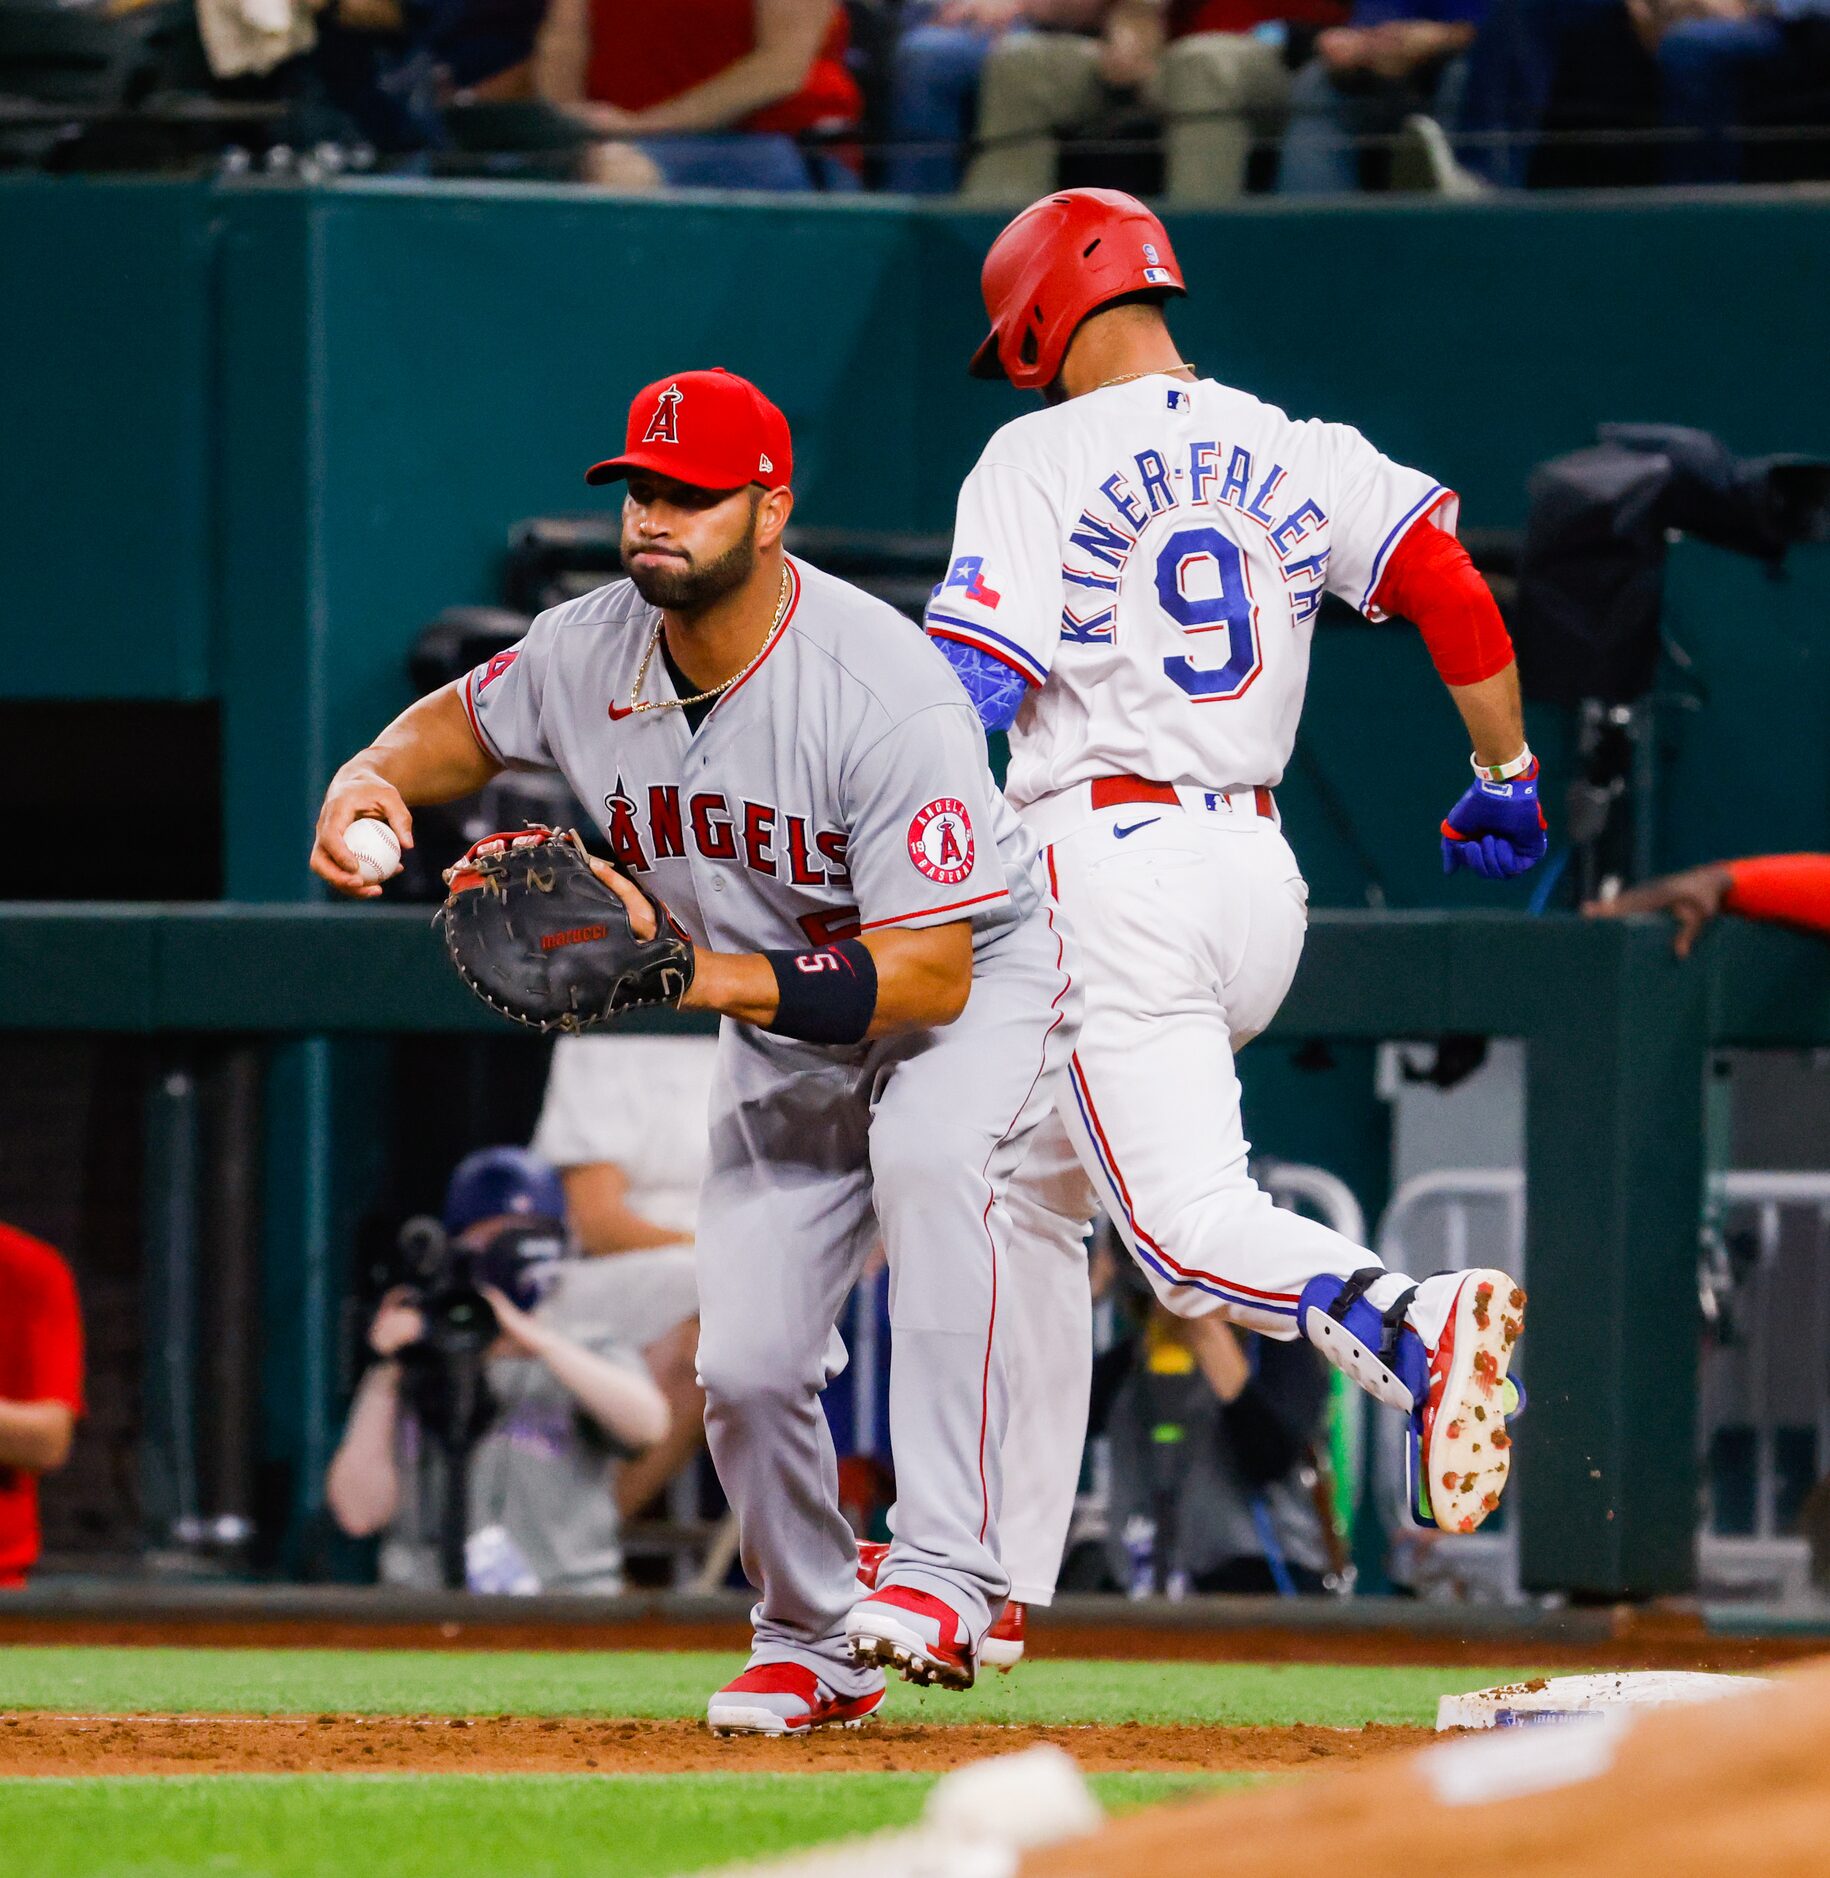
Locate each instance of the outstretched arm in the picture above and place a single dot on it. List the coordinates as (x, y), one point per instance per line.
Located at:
(1788, 889)
(597, 1204)
(623, 1402)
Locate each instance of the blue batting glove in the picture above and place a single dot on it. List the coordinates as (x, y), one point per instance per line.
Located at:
(1497, 830)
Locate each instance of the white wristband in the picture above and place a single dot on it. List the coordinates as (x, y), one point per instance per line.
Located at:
(1503, 772)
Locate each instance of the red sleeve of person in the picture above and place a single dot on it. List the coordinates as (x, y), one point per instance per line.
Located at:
(1431, 582)
(634, 67)
(41, 1360)
(1793, 889)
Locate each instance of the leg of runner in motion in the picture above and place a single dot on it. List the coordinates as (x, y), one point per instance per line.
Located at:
(1189, 936)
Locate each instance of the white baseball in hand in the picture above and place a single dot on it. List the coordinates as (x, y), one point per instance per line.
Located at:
(376, 848)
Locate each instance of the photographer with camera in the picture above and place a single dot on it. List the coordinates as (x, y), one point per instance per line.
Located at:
(482, 1439)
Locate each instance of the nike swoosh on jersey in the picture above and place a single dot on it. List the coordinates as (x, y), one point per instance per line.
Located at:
(1149, 822)
(619, 711)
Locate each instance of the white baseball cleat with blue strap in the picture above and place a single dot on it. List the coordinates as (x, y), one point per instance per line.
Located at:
(1457, 1394)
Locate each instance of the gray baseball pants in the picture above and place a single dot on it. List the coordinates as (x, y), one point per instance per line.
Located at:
(815, 1154)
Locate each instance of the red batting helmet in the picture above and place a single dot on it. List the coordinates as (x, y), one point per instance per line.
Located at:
(1061, 259)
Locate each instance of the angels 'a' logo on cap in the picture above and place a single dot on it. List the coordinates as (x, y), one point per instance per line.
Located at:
(664, 426)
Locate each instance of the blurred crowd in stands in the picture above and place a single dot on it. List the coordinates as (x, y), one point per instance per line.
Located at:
(999, 100)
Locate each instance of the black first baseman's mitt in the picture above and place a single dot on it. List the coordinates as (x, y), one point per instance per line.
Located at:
(537, 936)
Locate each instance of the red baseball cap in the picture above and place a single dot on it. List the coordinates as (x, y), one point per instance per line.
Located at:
(711, 429)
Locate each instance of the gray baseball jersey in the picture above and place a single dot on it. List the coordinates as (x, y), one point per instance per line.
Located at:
(842, 786)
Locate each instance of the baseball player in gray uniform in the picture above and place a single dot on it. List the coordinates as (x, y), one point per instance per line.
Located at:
(798, 775)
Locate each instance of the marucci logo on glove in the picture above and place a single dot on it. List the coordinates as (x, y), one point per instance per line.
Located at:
(578, 936)
(538, 937)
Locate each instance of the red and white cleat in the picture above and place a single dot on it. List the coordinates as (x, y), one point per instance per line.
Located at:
(787, 1699)
(1002, 1649)
(899, 1628)
(1465, 1447)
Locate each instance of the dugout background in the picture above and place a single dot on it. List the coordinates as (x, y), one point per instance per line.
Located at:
(257, 434)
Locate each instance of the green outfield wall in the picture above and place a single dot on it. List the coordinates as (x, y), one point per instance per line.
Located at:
(257, 434)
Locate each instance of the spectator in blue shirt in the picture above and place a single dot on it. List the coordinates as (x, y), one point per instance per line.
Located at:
(1393, 60)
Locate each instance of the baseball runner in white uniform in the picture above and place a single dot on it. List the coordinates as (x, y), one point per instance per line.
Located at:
(793, 770)
(1135, 578)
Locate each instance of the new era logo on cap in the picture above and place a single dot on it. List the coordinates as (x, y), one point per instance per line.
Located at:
(764, 466)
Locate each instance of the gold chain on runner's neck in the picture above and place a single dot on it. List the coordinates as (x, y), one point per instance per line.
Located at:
(717, 691)
(1156, 371)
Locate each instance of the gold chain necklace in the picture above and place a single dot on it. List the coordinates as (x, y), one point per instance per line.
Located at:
(717, 691)
(1156, 371)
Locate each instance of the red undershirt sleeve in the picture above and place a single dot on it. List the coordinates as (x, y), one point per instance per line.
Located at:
(1430, 581)
(1793, 889)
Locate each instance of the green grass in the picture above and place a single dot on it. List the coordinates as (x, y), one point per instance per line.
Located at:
(645, 1683)
(450, 1826)
(565, 1825)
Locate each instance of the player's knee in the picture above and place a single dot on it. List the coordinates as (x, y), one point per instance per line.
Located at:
(918, 1173)
(742, 1372)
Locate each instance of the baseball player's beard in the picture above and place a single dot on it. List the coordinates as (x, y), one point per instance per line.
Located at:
(689, 589)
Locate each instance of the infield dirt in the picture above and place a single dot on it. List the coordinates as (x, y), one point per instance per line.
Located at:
(517, 1744)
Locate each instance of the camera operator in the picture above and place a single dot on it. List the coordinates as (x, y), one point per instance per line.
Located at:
(626, 1123)
(1216, 1451)
(489, 1402)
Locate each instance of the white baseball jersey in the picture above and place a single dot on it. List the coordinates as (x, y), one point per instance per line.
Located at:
(1157, 552)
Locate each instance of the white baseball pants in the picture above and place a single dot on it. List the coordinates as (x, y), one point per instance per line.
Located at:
(1188, 923)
